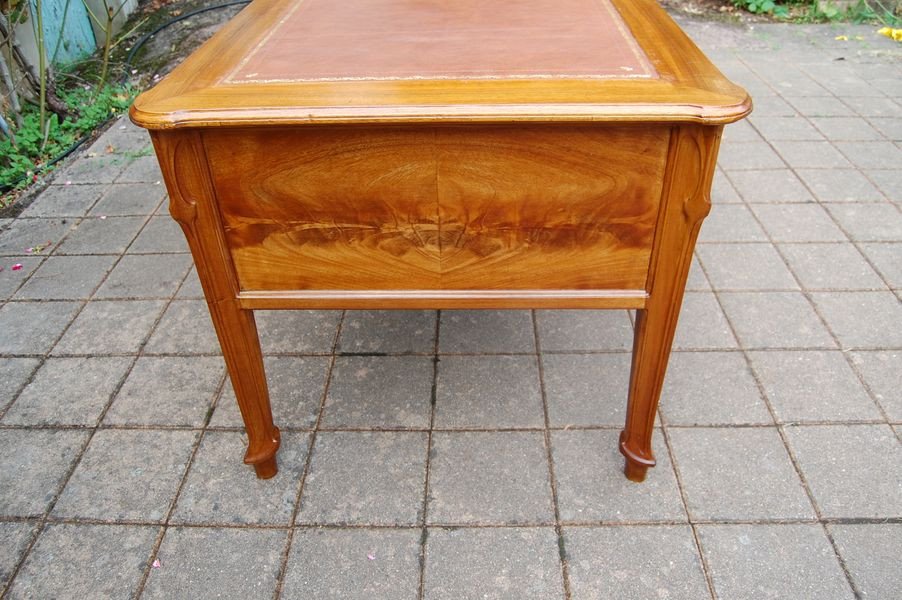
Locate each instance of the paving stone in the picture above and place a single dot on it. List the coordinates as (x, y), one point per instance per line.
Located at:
(68, 391)
(634, 562)
(348, 564)
(102, 236)
(798, 223)
(711, 388)
(888, 181)
(697, 281)
(168, 390)
(14, 540)
(869, 222)
(129, 199)
(498, 563)
(191, 287)
(586, 389)
(33, 327)
(774, 106)
(786, 128)
(821, 106)
(110, 326)
(887, 258)
(875, 106)
(741, 131)
(66, 278)
(854, 471)
(141, 169)
(388, 331)
(772, 561)
(831, 267)
(775, 320)
(23, 234)
(862, 319)
(488, 392)
(197, 562)
(702, 324)
(151, 276)
(33, 467)
(578, 330)
(161, 234)
(812, 386)
(728, 267)
(871, 554)
(498, 478)
(888, 126)
(731, 223)
(722, 191)
(883, 376)
(365, 479)
(14, 374)
(840, 185)
(591, 486)
(296, 387)
(811, 155)
(127, 475)
(92, 169)
(185, 328)
(472, 331)
(872, 155)
(846, 128)
(775, 185)
(298, 331)
(64, 201)
(724, 471)
(85, 561)
(11, 280)
(380, 392)
(221, 489)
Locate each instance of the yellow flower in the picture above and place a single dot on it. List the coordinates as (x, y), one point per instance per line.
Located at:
(891, 32)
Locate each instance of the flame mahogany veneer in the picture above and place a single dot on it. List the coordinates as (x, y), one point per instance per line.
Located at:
(442, 154)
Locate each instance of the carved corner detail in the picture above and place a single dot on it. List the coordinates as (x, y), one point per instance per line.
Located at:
(182, 205)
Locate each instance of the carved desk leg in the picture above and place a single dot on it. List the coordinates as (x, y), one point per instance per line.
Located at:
(192, 204)
(685, 203)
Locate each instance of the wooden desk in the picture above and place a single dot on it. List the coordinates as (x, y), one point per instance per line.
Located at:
(442, 154)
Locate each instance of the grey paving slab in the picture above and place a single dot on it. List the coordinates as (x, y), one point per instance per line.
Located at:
(871, 554)
(634, 563)
(798, 223)
(221, 489)
(890, 127)
(94, 235)
(167, 390)
(127, 475)
(846, 129)
(487, 392)
(102, 168)
(811, 155)
(365, 479)
(110, 326)
(775, 320)
(591, 487)
(498, 478)
(124, 199)
(472, 331)
(831, 267)
(197, 562)
(887, 258)
(388, 331)
(722, 190)
(146, 276)
(744, 156)
(770, 186)
(852, 470)
(711, 388)
(821, 106)
(14, 540)
(296, 386)
(33, 468)
(14, 374)
(23, 234)
(731, 223)
(586, 389)
(33, 327)
(786, 128)
(887, 181)
(772, 561)
(349, 564)
(882, 372)
(85, 561)
(702, 324)
(496, 563)
(64, 200)
(769, 105)
(10, 280)
(68, 391)
(741, 131)
(812, 385)
(745, 267)
(840, 185)
(160, 234)
(697, 281)
(862, 319)
(185, 328)
(869, 222)
(298, 331)
(141, 169)
(872, 155)
(191, 288)
(576, 330)
(66, 278)
(724, 470)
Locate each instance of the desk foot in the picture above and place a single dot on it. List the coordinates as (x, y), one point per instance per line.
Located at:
(637, 464)
(266, 469)
(263, 455)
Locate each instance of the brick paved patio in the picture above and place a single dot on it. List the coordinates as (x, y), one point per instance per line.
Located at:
(466, 454)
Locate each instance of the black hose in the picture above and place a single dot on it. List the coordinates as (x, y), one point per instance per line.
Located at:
(128, 61)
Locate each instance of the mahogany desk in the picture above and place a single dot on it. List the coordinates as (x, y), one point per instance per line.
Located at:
(442, 154)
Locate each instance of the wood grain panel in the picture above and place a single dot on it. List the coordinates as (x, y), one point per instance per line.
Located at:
(442, 208)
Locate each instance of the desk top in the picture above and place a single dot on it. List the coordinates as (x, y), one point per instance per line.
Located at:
(382, 61)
